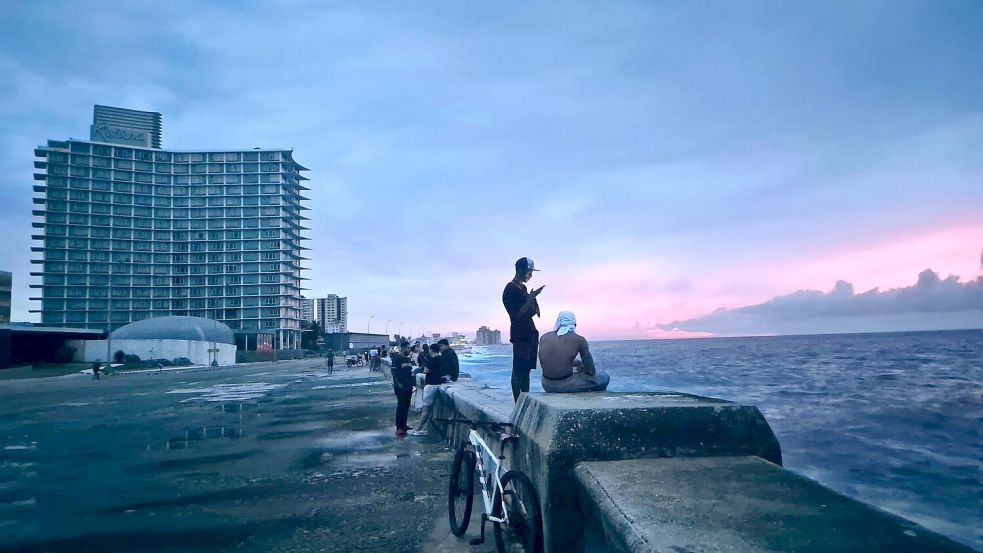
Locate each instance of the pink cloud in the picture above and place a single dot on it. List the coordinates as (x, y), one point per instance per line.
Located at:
(610, 298)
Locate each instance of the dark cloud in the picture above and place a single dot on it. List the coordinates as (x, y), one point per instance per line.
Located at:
(931, 303)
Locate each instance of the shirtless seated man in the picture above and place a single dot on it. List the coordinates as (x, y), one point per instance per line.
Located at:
(563, 373)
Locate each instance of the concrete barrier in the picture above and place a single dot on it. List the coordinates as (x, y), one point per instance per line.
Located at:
(740, 504)
(560, 430)
(671, 472)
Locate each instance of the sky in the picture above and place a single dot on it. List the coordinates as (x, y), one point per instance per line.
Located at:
(674, 168)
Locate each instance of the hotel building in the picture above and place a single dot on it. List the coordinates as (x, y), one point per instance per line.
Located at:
(331, 313)
(127, 231)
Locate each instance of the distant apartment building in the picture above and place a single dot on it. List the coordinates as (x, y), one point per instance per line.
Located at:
(308, 309)
(127, 231)
(487, 337)
(6, 283)
(332, 313)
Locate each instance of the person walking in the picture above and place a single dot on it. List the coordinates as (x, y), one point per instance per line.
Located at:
(521, 306)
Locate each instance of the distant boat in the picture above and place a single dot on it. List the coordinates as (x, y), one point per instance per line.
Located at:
(461, 348)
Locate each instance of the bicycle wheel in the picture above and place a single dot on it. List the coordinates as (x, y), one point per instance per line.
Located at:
(460, 493)
(524, 531)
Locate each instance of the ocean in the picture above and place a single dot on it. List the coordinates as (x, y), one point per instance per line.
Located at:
(892, 419)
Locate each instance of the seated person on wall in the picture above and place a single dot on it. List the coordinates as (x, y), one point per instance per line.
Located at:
(563, 373)
(450, 367)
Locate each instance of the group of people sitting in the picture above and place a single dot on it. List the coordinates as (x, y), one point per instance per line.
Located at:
(420, 368)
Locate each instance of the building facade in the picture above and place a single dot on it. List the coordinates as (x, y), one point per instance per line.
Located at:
(487, 337)
(6, 285)
(308, 309)
(126, 231)
(332, 313)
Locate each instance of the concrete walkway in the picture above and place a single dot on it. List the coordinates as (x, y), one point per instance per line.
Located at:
(259, 457)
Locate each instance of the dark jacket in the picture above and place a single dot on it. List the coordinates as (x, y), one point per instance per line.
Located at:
(522, 329)
(449, 365)
(402, 371)
(433, 370)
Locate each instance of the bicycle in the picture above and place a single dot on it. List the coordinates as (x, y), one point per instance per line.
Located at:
(510, 500)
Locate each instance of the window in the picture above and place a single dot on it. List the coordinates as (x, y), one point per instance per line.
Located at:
(79, 171)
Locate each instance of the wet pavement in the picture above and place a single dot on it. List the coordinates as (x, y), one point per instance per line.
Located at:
(260, 457)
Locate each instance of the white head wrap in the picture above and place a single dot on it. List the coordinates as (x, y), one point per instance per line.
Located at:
(566, 321)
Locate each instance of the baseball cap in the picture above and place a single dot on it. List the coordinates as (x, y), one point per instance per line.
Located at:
(525, 264)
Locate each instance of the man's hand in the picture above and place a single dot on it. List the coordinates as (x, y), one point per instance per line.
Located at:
(536, 292)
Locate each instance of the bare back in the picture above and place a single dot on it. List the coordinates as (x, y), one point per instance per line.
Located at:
(557, 355)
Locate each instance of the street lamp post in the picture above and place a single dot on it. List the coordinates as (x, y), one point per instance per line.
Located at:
(214, 343)
(368, 326)
(109, 311)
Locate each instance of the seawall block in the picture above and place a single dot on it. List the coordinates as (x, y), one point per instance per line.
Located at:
(560, 430)
(739, 504)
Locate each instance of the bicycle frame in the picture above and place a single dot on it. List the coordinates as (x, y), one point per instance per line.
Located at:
(489, 468)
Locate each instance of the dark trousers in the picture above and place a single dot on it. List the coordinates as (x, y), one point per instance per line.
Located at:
(523, 361)
(402, 407)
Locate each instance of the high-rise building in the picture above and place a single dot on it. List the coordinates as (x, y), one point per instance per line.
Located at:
(6, 282)
(129, 231)
(332, 313)
(308, 309)
(487, 337)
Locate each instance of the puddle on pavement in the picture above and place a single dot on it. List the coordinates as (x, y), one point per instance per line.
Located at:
(191, 462)
(195, 435)
(352, 385)
(229, 392)
(341, 441)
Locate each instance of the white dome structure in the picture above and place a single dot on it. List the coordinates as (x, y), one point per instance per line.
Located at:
(202, 341)
(176, 328)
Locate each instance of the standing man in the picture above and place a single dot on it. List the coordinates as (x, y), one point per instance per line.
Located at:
(402, 374)
(521, 306)
(330, 361)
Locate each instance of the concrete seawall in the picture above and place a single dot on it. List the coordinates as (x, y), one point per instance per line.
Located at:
(671, 472)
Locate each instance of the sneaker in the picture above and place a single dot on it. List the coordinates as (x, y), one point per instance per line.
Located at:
(418, 433)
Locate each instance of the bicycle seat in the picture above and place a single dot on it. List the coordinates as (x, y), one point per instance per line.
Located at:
(506, 438)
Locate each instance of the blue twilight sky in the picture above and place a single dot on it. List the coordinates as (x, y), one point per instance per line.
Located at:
(661, 161)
